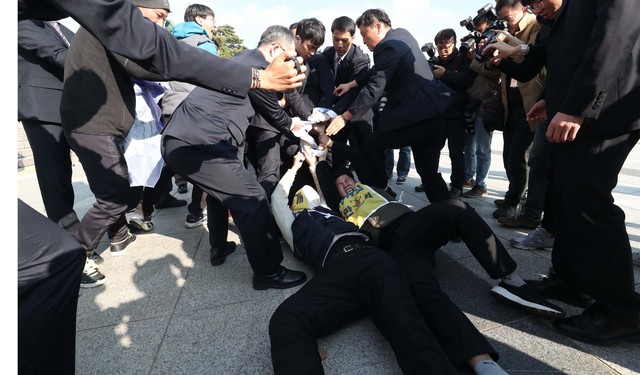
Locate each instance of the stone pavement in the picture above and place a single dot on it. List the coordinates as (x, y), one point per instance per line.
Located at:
(165, 310)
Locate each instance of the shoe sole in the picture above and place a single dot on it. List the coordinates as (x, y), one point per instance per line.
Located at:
(517, 245)
(194, 225)
(501, 294)
(117, 253)
(94, 284)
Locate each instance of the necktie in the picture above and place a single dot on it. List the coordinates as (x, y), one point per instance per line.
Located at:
(58, 30)
(335, 66)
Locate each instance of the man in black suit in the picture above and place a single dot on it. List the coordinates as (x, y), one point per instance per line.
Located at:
(415, 101)
(592, 92)
(120, 27)
(42, 51)
(347, 63)
(204, 143)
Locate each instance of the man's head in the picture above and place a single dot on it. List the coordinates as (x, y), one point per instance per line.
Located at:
(481, 24)
(343, 30)
(512, 12)
(293, 27)
(445, 43)
(547, 9)
(309, 37)
(344, 183)
(374, 25)
(275, 40)
(203, 16)
(155, 11)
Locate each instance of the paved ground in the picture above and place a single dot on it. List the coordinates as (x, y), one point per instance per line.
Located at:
(165, 310)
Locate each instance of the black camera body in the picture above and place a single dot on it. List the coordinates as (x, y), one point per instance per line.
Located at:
(489, 36)
(430, 50)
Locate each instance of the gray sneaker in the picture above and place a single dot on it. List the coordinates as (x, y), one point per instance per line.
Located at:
(539, 239)
(91, 277)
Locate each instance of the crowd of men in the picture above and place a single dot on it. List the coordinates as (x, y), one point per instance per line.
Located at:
(565, 73)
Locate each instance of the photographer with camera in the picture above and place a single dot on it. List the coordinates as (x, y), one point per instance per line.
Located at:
(452, 68)
(517, 100)
(484, 92)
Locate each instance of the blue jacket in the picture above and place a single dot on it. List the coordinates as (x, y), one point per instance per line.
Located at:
(194, 31)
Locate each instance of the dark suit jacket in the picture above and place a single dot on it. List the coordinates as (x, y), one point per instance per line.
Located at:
(401, 71)
(316, 90)
(354, 65)
(593, 65)
(269, 114)
(41, 56)
(150, 46)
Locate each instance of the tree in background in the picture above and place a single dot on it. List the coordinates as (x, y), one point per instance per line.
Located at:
(228, 42)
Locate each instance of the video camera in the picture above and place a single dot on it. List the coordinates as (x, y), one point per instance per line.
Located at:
(489, 35)
(430, 50)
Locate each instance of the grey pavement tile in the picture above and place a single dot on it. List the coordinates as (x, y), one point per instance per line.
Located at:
(540, 350)
(388, 367)
(230, 339)
(125, 348)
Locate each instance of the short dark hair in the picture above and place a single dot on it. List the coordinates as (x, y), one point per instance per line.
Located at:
(293, 26)
(197, 10)
(369, 17)
(343, 24)
(340, 171)
(444, 35)
(311, 29)
(506, 3)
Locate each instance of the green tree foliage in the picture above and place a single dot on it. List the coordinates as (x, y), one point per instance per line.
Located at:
(228, 42)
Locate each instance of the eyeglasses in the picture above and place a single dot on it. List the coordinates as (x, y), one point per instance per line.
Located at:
(445, 47)
(535, 4)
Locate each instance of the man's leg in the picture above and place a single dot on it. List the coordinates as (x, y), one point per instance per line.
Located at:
(592, 245)
(52, 159)
(50, 263)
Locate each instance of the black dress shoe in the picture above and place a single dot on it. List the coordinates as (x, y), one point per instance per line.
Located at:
(283, 278)
(553, 287)
(596, 326)
(169, 202)
(218, 255)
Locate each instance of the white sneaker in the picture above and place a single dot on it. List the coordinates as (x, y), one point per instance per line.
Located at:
(91, 276)
(539, 239)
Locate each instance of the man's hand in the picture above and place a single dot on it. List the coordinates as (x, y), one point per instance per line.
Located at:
(538, 113)
(296, 124)
(438, 71)
(564, 128)
(282, 75)
(336, 125)
(298, 159)
(325, 141)
(499, 50)
(344, 88)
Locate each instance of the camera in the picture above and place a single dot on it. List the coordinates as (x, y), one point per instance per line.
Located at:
(489, 35)
(430, 50)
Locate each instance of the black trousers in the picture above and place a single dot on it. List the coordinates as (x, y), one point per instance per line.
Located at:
(517, 139)
(350, 286)
(264, 154)
(455, 134)
(426, 139)
(218, 169)
(102, 158)
(592, 246)
(50, 263)
(52, 159)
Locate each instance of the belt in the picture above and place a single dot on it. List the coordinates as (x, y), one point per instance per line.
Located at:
(337, 250)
